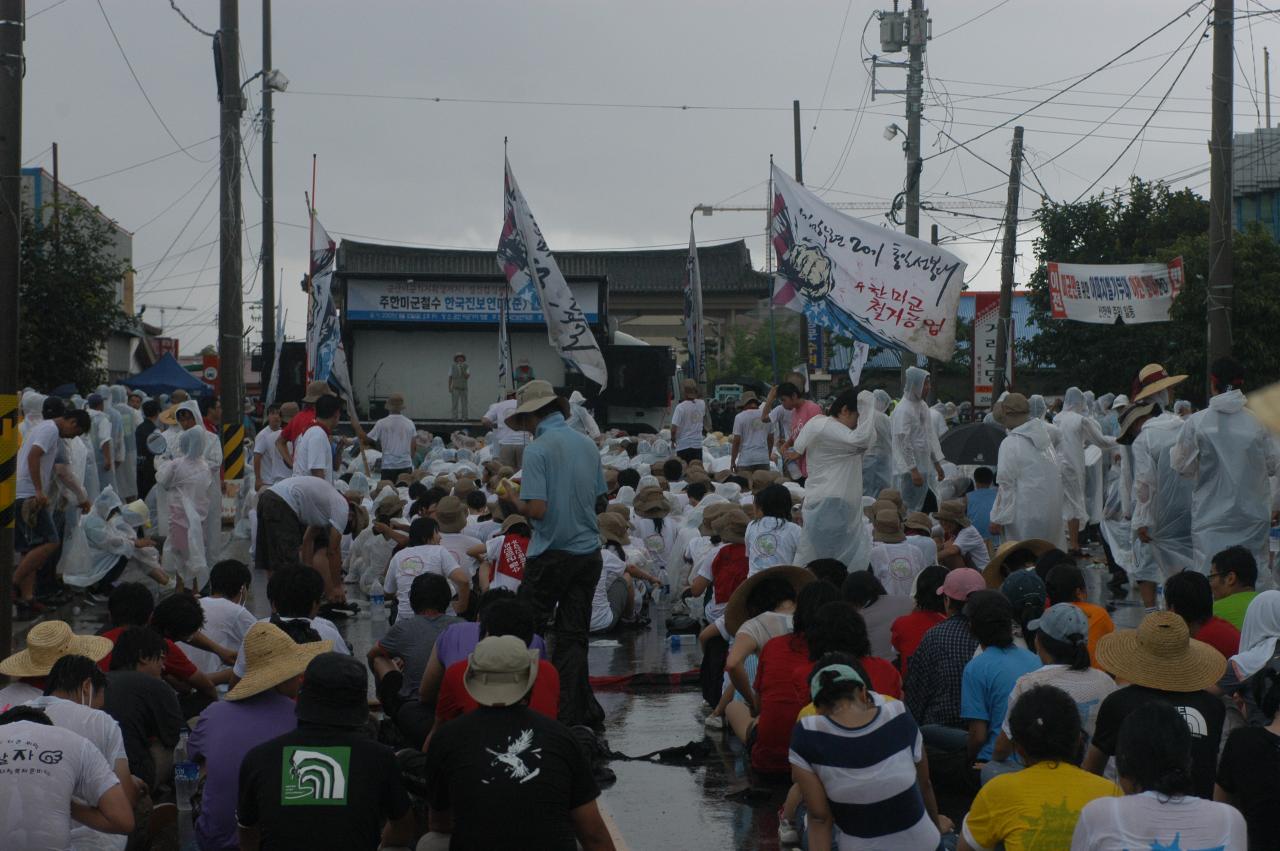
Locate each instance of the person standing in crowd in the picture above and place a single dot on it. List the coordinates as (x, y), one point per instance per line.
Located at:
(510, 442)
(185, 479)
(797, 411)
(752, 444)
(1231, 458)
(102, 441)
(916, 454)
(187, 417)
(580, 419)
(360, 803)
(146, 457)
(300, 421)
(313, 450)
(1078, 429)
(1160, 808)
(1232, 575)
(1160, 661)
(506, 758)
(459, 376)
(562, 479)
(393, 436)
(268, 466)
(877, 464)
(833, 447)
(1028, 502)
(979, 502)
(688, 420)
(36, 538)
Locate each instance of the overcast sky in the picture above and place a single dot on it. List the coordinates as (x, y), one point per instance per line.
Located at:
(602, 160)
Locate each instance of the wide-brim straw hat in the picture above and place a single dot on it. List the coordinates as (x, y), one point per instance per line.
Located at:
(1012, 411)
(1161, 654)
(534, 396)
(731, 526)
(651, 502)
(613, 528)
(1152, 378)
(451, 514)
(735, 611)
(1131, 415)
(995, 572)
(954, 511)
(272, 657)
(48, 642)
(500, 671)
(316, 389)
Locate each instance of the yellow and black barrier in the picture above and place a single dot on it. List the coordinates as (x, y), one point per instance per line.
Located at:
(9, 439)
(233, 451)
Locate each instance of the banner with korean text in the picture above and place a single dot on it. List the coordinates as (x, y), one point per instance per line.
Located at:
(860, 280)
(986, 323)
(1130, 292)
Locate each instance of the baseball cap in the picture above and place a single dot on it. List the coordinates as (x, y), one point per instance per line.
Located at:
(962, 582)
(1062, 622)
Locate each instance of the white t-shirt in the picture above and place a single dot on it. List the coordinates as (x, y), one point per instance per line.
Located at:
(1088, 688)
(315, 501)
(497, 414)
(479, 529)
(226, 623)
(273, 468)
(99, 429)
(42, 769)
(753, 433)
(601, 614)
(687, 419)
(312, 451)
(492, 552)
(323, 627)
(394, 434)
(458, 543)
(17, 693)
(928, 548)
(971, 544)
(412, 562)
(1149, 820)
(702, 567)
(45, 435)
(657, 545)
(771, 542)
(896, 566)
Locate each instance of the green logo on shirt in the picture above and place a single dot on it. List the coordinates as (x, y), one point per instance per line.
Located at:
(314, 776)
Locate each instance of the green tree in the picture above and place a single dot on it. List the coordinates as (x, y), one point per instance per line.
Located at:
(751, 354)
(67, 298)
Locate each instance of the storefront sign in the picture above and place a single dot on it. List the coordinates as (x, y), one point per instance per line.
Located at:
(453, 302)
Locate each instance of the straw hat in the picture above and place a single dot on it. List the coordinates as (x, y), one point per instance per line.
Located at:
(1161, 654)
(534, 396)
(895, 496)
(271, 657)
(48, 642)
(613, 528)
(919, 521)
(500, 671)
(1152, 378)
(451, 514)
(887, 528)
(995, 572)
(761, 479)
(731, 526)
(651, 502)
(1131, 415)
(1012, 411)
(953, 511)
(395, 403)
(316, 389)
(735, 611)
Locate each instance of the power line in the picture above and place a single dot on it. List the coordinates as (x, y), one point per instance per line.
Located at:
(190, 22)
(976, 17)
(141, 88)
(827, 85)
(123, 169)
(50, 7)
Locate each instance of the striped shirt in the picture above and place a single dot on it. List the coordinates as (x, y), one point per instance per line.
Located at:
(869, 774)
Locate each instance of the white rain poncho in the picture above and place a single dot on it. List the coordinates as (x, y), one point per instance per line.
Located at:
(1182, 408)
(1029, 499)
(1162, 502)
(110, 536)
(371, 552)
(32, 411)
(877, 463)
(580, 418)
(1116, 525)
(1229, 456)
(938, 416)
(127, 469)
(915, 441)
(1078, 429)
(185, 480)
(833, 526)
(1109, 420)
(99, 435)
(212, 454)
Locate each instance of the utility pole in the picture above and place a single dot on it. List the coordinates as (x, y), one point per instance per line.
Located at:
(230, 320)
(1266, 81)
(917, 34)
(12, 67)
(1007, 253)
(795, 132)
(268, 210)
(1220, 285)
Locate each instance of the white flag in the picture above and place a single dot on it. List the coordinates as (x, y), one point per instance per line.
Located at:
(532, 273)
(505, 370)
(275, 362)
(326, 356)
(694, 335)
(860, 280)
(857, 360)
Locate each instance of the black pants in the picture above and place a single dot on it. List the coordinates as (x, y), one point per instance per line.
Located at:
(279, 533)
(393, 475)
(687, 455)
(711, 672)
(565, 583)
(104, 585)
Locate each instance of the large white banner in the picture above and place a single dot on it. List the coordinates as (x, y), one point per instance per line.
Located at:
(860, 280)
(1132, 292)
(454, 302)
(531, 271)
(327, 358)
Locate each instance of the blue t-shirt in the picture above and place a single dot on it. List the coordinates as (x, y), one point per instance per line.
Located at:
(980, 502)
(562, 467)
(986, 684)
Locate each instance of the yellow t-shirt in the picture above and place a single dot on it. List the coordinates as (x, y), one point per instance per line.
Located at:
(1034, 809)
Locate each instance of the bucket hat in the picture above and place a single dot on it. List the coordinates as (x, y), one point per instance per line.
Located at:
(731, 526)
(953, 511)
(613, 528)
(316, 389)
(1012, 411)
(451, 514)
(887, 528)
(651, 502)
(500, 671)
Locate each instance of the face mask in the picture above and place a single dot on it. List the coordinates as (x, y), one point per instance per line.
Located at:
(89, 702)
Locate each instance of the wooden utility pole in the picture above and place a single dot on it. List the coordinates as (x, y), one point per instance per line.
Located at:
(1220, 273)
(12, 67)
(230, 306)
(795, 133)
(1266, 82)
(1007, 254)
(268, 210)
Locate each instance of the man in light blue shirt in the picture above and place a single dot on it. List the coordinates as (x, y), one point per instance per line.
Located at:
(560, 483)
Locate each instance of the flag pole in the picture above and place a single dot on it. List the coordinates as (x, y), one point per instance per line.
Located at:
(768, 268)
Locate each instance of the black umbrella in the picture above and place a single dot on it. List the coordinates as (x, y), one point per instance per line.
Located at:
(975, 443)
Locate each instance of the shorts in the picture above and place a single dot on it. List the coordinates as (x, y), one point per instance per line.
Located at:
(687, 455)
(41, 531)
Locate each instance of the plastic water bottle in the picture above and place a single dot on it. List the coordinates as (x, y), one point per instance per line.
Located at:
(185, 774)
(377, 604)
(676, 638)
(1160, 598)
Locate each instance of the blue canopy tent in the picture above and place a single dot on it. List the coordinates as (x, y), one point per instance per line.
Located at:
(166, 376)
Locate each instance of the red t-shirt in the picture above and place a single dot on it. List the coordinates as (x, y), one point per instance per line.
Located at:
(806, 411)
(300, 423)
(885, 678)
(729, 570)
(454, 699)
(1221, 635)
(176, 663)
(782, 687)
(907, 631)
